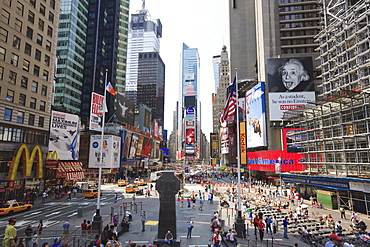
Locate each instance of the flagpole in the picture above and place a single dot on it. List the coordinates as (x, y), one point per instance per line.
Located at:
(97, 217)
(239, 224)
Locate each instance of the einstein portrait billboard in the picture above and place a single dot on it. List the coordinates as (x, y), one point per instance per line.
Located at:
(256, 116)
(290, 84)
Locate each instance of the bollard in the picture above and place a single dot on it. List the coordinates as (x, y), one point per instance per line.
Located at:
(79, 212)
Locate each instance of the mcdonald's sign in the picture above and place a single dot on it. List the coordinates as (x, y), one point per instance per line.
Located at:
(23, 150)
(52, 160)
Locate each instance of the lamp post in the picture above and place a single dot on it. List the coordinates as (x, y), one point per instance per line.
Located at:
(279, 170)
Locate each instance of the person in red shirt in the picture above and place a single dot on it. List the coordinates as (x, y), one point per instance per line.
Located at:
(84, 227)
(256, 220)
(261, 227)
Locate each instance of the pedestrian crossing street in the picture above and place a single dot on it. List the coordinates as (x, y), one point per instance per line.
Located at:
(33, 223)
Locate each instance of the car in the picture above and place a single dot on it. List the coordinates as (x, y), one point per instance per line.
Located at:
(91, 193)
(131, 188)
(14, 207)
(122, 183)
(140, 182)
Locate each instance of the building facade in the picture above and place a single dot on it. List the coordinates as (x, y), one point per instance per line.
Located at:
(28, 33)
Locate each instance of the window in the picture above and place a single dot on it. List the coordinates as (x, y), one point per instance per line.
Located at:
(52, 4)
(41, 24)
(7, 2)
(33, 103)
(20, 117)
(3, 34)
(44, 90)
(31, 119)
(18, 25)
(10, 95)
(48, 45)
(29, 33)
(51, 17)
(39, 39)
(38, 55)
(50, 31)
(20, 8)
(31, 17)
(35, 85)
(47, 60)
(2, 53)
(27, 49)
(33, 3)
(42, 9)
(16, 42)
(12, 77)
(24, 82)
(42, 105)
(5, 16)
(26, 65)
(45, 75)
(14, 59)
(22, 99)
(1, 73)
(8, 114)
(36, 70)
(41, 121)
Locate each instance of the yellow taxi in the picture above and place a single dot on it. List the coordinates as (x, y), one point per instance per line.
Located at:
(132, 188)
(122, 183)
(140, 182)
(13, 207)
(91, 193)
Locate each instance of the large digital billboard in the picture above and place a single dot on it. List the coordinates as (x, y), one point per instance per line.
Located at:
(290, 83)
(125, 110)
(256, 116)
(110, 154)
(64, 135)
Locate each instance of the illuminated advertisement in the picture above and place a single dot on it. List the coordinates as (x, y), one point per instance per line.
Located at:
(243, 144)
(110, 154)
(96, 113)
(125, 110)
(290, 82)
(133, 146)
(256, 116)
(64, 135)
(190, 137)
(140, 145)
(126, 149)
(224, 139)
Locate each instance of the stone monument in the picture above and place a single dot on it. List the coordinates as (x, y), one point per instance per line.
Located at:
(167, 186)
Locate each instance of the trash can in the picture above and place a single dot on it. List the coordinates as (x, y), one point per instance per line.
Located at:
(79, 212)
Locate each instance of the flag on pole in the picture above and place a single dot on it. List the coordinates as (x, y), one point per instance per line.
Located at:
(230, 106)
(103, 107)
(110, 89)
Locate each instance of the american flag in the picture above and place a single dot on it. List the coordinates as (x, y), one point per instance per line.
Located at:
(230, 106)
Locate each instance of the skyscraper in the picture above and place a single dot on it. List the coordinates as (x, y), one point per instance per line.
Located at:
(151, 84)
(28, 32)
(189, 117)
(143, 36)
(70, 66)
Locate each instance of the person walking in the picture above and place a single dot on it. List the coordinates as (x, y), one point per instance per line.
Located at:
(115, 220)
(201, 202)
(274, 224)
(10, 234)
(190, 223)
(143, 220)
(169, 238)
(66, 226)
(35, 239)
(28, 235)
(261, 228)
(39, 227)
(342, 213)
(44, 195)
(115, 197)
(285, 225)
(84, 227)
(268, 222)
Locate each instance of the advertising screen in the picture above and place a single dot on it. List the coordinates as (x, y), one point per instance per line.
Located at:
(64, 135)
(290, 83)
(110, 148)
(256, 116)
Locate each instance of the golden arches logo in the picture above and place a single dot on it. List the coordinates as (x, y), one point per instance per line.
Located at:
(29, 159)
(52, 155)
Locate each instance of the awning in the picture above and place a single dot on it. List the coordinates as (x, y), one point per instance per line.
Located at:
(72, 170)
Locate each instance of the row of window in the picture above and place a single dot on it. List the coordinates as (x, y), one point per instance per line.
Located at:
(14, 60)
(24, 82)
(10, 95)
(8, 115)
(23, 135)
